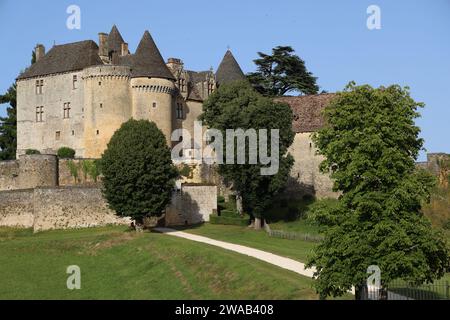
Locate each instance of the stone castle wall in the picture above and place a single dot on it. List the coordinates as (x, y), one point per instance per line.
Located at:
(29, 171)
(54, 131)
(191, 205)
(82, 207)
(72, 207)
(305, 177)
(17, 208)
(55, 208)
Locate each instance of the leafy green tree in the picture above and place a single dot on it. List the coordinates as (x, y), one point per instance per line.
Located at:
(238, 106)
(370, 144)
(8, 125)
(138, 174)
(282, 72)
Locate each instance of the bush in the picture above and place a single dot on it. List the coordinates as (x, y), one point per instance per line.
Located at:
(32, 151)
(138, 174)
(185, 171)
(236, 221)
(229, 213)
(319, 211)
(66, 153)
(220, 199)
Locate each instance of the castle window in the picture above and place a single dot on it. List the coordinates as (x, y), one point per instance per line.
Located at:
(66, 110)
(58, 135)
(182, 84)
(179, 110)
(73, 132)
(40, 114)
(101, 105)
(74, 82)
(210, 88)
(99, 83)
(39, 85)
(154, 104)
(98, 132)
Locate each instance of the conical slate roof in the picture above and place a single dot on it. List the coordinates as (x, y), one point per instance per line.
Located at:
(229, 70)
(115, 40)
(148, 62)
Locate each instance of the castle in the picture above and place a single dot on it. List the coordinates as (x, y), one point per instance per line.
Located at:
(78, 94)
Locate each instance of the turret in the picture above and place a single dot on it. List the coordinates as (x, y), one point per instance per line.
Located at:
(152, 86)
(229, 70)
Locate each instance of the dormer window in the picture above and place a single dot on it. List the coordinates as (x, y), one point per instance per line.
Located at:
(182, 84)
(210, 87)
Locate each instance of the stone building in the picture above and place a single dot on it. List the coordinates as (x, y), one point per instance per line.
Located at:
(78, 94)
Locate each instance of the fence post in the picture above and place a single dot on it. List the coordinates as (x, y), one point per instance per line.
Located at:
(447, 290)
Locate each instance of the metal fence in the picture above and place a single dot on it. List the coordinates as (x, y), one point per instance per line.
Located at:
(401, 290)
(292, 235)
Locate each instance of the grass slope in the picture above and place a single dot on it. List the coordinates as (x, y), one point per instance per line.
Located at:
(116, 264)
(295, 249)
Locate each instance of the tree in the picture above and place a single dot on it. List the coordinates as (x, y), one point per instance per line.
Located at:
(443, 163)
(282, 72)
(8, 125)
(238, 106)
(370, 145)
(138, 172)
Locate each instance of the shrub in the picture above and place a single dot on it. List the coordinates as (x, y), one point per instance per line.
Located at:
(32, 151)
(229, 213)
(237, 221)
(66, 153)
(185, 171)
(138, 174)
(73, 168)
(220, 199)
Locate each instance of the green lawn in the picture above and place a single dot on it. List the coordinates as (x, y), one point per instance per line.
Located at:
(116, 264)
(295, 249)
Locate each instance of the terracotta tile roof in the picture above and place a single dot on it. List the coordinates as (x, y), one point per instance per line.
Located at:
(307, 111)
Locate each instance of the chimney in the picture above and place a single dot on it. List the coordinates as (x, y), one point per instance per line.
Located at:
(39, 52)
(124, 49)
(174, 64)
(103, 45)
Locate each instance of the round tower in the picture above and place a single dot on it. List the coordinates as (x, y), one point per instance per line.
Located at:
(107, 105)
(152, 87)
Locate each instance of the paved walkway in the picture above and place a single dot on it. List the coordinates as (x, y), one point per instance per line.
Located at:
(271, 258)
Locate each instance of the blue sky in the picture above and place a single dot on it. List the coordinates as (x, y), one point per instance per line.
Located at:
(412, 47)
